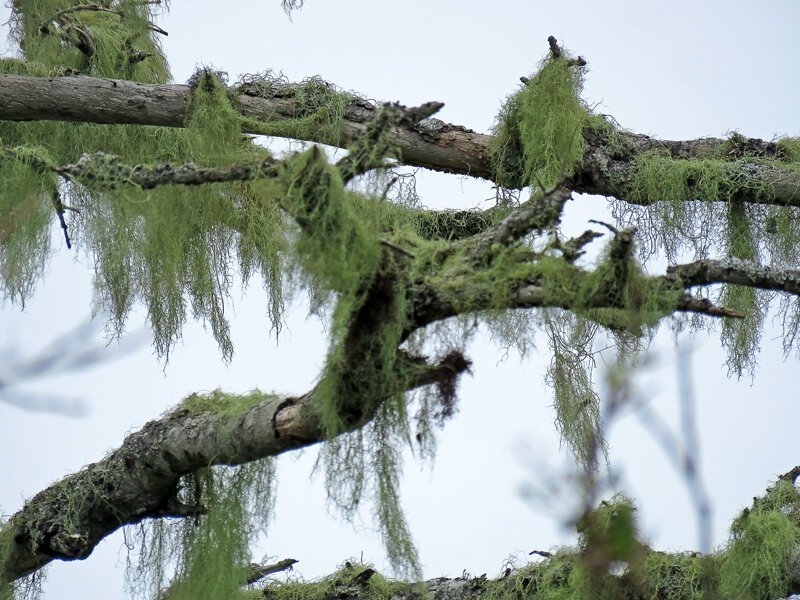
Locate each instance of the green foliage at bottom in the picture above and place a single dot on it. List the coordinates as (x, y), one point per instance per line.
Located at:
(350, 579)
(765, 541)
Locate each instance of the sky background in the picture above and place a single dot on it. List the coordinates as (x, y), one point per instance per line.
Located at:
(671, 69)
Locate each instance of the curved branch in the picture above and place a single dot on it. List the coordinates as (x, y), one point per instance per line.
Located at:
(140, 479)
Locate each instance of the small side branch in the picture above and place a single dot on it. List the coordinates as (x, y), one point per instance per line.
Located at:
(371, 149)
(105, 171)
(59, 206)
(258, 572)
(537, 214)
(736, 271)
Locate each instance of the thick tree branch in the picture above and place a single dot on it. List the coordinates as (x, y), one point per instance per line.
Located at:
(140, 479)
(431, 143)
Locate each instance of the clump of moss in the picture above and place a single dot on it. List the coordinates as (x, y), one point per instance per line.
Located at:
(764, 544)
(122, 44)
(223, 403)
(609, 533)
(213, 127)
(319, 107)
(334, 244)
(350, 580)
(538, 137)
(561, 576)
(680, 576)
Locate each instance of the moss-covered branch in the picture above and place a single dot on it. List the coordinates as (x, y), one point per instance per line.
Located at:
(140, 479)
(613, 162)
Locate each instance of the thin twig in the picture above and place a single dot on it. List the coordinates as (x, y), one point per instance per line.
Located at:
(57, 204)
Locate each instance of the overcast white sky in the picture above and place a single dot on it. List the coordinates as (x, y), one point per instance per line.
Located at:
(675, 69)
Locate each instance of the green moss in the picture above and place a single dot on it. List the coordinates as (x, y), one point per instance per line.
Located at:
(102, 44)
(319, 108)
(335, 245)
(213, 127)
(763, 548)
(561, 576)
(789, 149)
(538, 137)
(350, 579)
(223, 403)
(609, 532)
(659, 177)
(677, 576)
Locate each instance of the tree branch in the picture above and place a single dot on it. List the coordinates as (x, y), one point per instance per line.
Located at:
(140, 479)
(736, 271)
(431, 143)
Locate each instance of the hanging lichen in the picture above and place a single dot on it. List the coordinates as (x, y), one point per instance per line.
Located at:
(91, 39)
(741, 337)
(318, 108)
(209, 553)
(538, 137)
(764, 544)
(576, 403)
(27, 197)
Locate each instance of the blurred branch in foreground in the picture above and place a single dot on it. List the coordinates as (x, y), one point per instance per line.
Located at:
(73, 351)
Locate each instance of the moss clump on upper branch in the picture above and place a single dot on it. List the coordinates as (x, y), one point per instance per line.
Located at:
(538, 137)
(318, 108)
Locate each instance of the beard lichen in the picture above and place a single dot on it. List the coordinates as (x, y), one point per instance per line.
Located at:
(576, 403)
(27, 197)
(206, 556)
(763, 547)
(538, 136)
(118, 43)
(318, 107)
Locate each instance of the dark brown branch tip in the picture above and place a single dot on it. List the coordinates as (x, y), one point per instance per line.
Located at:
(792, 475)
(555, 50)
(364, 576)
(415, 114)
(59, 207)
